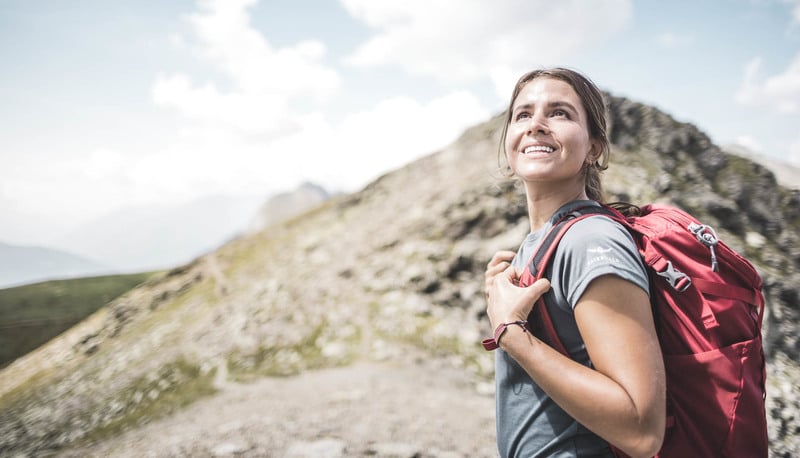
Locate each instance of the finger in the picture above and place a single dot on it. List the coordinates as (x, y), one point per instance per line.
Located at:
(509, 273)
(500, 257)
(494, 273)
(495, 270)
(535, 291)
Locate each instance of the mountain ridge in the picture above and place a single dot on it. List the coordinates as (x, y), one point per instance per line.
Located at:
(786, 174)
(286, 204)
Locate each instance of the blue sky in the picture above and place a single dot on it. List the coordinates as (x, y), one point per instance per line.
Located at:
(108, 104)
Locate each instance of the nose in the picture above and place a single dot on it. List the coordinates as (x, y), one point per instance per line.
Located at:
(538, 125)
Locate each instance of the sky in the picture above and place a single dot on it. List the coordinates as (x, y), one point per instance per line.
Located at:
(108, 104)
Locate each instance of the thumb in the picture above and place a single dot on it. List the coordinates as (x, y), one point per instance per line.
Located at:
(535, 291)
(510, 273)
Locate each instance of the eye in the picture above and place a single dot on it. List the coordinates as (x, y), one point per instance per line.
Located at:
(522, 115)
(559, 114)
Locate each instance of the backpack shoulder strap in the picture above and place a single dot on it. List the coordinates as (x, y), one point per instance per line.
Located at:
(539, 318)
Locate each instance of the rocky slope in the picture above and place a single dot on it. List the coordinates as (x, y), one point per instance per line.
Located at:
(786, 174)
(389, 275)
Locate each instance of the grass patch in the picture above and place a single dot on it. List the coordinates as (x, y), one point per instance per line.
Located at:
(152, 395)
(286, 360)
(26, 391)
(468, 356)
(31, 315)
(278, 360)
(424, 333)
(175, 385)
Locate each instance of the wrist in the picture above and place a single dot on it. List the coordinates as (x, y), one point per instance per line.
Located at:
(494, 342)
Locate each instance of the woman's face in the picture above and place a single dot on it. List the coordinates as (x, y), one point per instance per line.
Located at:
(548, 135)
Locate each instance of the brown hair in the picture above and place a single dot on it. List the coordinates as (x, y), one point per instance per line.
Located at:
(593, 104)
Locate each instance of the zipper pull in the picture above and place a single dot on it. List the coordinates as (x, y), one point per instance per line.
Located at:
(708, 237)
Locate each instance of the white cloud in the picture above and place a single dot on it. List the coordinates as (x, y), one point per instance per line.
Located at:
(205, 159)
(74, 187)
(103, 162)
(262, 132)
(348, 154)
(473, 39)
(749, 143)
(779, 92)
(264, 81)
(795, 4)
(394, 132)
(342, 155)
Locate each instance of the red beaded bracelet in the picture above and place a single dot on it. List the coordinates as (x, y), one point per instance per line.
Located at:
(493, 343)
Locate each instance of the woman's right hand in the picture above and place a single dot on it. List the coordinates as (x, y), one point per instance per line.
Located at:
(506, 301)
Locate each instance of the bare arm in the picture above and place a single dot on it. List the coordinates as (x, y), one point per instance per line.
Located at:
(623, 398)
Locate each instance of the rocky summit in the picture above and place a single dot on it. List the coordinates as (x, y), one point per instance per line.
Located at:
(354, 328)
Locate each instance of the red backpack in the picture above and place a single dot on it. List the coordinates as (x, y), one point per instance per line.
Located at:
(708, 308)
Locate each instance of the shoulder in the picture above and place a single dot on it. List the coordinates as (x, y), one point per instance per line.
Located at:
(598, 232)
(594, 247)
(596, 241)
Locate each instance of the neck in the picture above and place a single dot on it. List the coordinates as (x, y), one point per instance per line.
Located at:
(542, 205)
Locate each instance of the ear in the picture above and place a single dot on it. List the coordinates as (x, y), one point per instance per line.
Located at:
(594, 152)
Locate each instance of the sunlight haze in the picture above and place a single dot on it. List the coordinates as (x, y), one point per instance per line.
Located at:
(110, 105)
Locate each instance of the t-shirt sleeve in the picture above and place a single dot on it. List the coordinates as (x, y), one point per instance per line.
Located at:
(594, 247)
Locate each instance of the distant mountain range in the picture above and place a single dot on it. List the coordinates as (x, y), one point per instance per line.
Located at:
(26, 264)
(163, 236)
(143, 238)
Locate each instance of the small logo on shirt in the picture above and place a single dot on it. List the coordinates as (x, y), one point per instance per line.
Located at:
(601, 255)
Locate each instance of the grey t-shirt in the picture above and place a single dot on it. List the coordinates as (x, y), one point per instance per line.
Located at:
(529, 423)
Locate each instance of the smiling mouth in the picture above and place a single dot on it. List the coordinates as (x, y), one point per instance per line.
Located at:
(538, 149)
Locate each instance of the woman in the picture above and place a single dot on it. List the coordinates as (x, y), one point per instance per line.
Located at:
(611, 390)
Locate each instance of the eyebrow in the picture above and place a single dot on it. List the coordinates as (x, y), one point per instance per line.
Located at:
(554, 104)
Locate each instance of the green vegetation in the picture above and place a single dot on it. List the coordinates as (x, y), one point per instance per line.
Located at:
(286, 360)
(741, 167)
(31, 315)
(434, 335)
(278, 360)
(148, 398)
(424, 335)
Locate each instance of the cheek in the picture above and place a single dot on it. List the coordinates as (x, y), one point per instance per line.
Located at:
(512, 138)
(580, 141)
(508, 146)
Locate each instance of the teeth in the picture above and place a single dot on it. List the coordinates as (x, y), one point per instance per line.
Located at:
(544, 149)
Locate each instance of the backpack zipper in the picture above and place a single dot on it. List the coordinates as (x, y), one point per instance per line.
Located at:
(708, 237)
